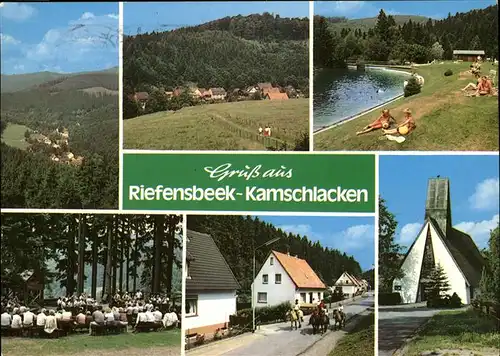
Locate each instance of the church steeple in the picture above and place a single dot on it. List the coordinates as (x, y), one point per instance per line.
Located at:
(438, 205)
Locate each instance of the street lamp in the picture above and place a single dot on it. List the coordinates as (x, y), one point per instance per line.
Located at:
(253, 281)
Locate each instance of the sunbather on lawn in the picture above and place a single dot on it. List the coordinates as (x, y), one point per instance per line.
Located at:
(405, 127)
(383, 122)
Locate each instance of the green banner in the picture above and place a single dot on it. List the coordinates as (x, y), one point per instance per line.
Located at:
(249, 182)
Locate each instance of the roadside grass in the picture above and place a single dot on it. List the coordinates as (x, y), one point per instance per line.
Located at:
(360, 341)
(75, 344)
(13, 135)
(216, 126)
(452, 330)
(446, 120)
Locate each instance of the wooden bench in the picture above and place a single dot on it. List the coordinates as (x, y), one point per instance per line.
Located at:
(146, 327)
(109, 329)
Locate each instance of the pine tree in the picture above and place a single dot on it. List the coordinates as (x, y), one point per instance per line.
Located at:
(437, 284)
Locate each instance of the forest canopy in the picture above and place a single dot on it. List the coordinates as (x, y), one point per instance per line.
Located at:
(412, 41)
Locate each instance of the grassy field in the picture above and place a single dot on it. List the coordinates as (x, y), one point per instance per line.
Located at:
(358, 342)
(225, 126)
(13, 135)
(84, 344)
(446, 120)
(452, 330)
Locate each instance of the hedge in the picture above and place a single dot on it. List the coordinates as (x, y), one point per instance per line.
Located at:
(389, 298)
(447, 301)
(270, 314)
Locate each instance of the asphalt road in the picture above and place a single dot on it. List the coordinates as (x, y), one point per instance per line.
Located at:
(276, 339)
(398, 323)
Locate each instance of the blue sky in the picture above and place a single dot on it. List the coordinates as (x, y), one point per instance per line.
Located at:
(59, 37)
(168, 16)
(352, 235)
(473, 188)
(436, 9)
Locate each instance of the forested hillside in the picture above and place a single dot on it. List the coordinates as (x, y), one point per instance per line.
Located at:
(233, 52)
(30, 179)
(118, 251)
(411, 41)
(237, 235)
(364, 24)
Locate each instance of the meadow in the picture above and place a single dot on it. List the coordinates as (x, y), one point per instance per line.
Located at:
(13, 136)
(166, 343)
(446, 119)
(224, 126)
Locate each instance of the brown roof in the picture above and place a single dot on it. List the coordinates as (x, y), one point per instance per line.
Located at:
(277, 96)
(270, 90)
(142, 95)
(299, 271)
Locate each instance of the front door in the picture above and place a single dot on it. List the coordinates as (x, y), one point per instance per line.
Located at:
(310, 297)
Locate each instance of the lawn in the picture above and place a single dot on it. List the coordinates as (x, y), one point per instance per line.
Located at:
(75, 344)
(13, 135)
(225, 126)
(451, 330)
(446, 120)
(360, 341)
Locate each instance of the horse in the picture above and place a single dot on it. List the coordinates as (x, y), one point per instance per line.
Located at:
(293, 316)
(319, 321)
(339, 319)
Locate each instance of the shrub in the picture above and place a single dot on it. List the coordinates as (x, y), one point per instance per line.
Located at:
(389, 298)
(448, 72)
(243, 318)
(412, 88)
(455, 301)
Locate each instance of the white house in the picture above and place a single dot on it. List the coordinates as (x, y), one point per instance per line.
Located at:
(210, 286)
(439, 242)
(349, 284)
(285, 278)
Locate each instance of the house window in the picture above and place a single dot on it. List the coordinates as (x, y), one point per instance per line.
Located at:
(277, 278)
(191, 306)
(397, 288)
(188, 276)
(346, 281)
(261, 297)
(271, 261)
(265, 279)
(303, 297)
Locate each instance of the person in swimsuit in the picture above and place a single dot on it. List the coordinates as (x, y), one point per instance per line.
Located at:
(383, 122)
(404, 128)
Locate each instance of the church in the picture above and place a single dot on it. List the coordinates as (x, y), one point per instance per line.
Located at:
(438, 242)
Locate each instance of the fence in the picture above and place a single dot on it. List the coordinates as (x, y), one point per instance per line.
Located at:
(488, 310)
(267, 141)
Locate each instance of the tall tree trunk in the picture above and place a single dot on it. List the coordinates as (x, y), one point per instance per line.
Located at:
(157, 247)
(95, 242)
(135, 256)
(109, 253)
(82, 224)
(114, 254)
(171, 225)
(127, 256)
(122, 242)
(70, 272)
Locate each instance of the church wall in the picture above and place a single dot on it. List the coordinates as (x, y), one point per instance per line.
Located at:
(411, 268)
(455, 277)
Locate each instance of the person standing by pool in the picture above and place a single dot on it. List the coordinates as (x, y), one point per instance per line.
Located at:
(383, 122)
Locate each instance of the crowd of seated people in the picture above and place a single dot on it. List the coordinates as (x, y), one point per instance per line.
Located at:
(85, 313)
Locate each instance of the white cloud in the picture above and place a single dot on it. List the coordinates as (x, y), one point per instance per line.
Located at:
(352, 238)
(17, 11)
(347, 7)
(408, 234)
(8, 40)
(113, 16)
(486, 196)
(87, 15)
(301, 229)
(479, 231)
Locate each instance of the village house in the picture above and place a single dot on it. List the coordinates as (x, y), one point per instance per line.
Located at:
(438, 242)
(218, 93)
(210, 286)
(252, 90)
(276, 96)
(169, 94)
(291, 92)
(349, 285)
(285, 278)
(177, 92)
(467, 55)
(263, 86)
(266, 91)
(141, 98)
